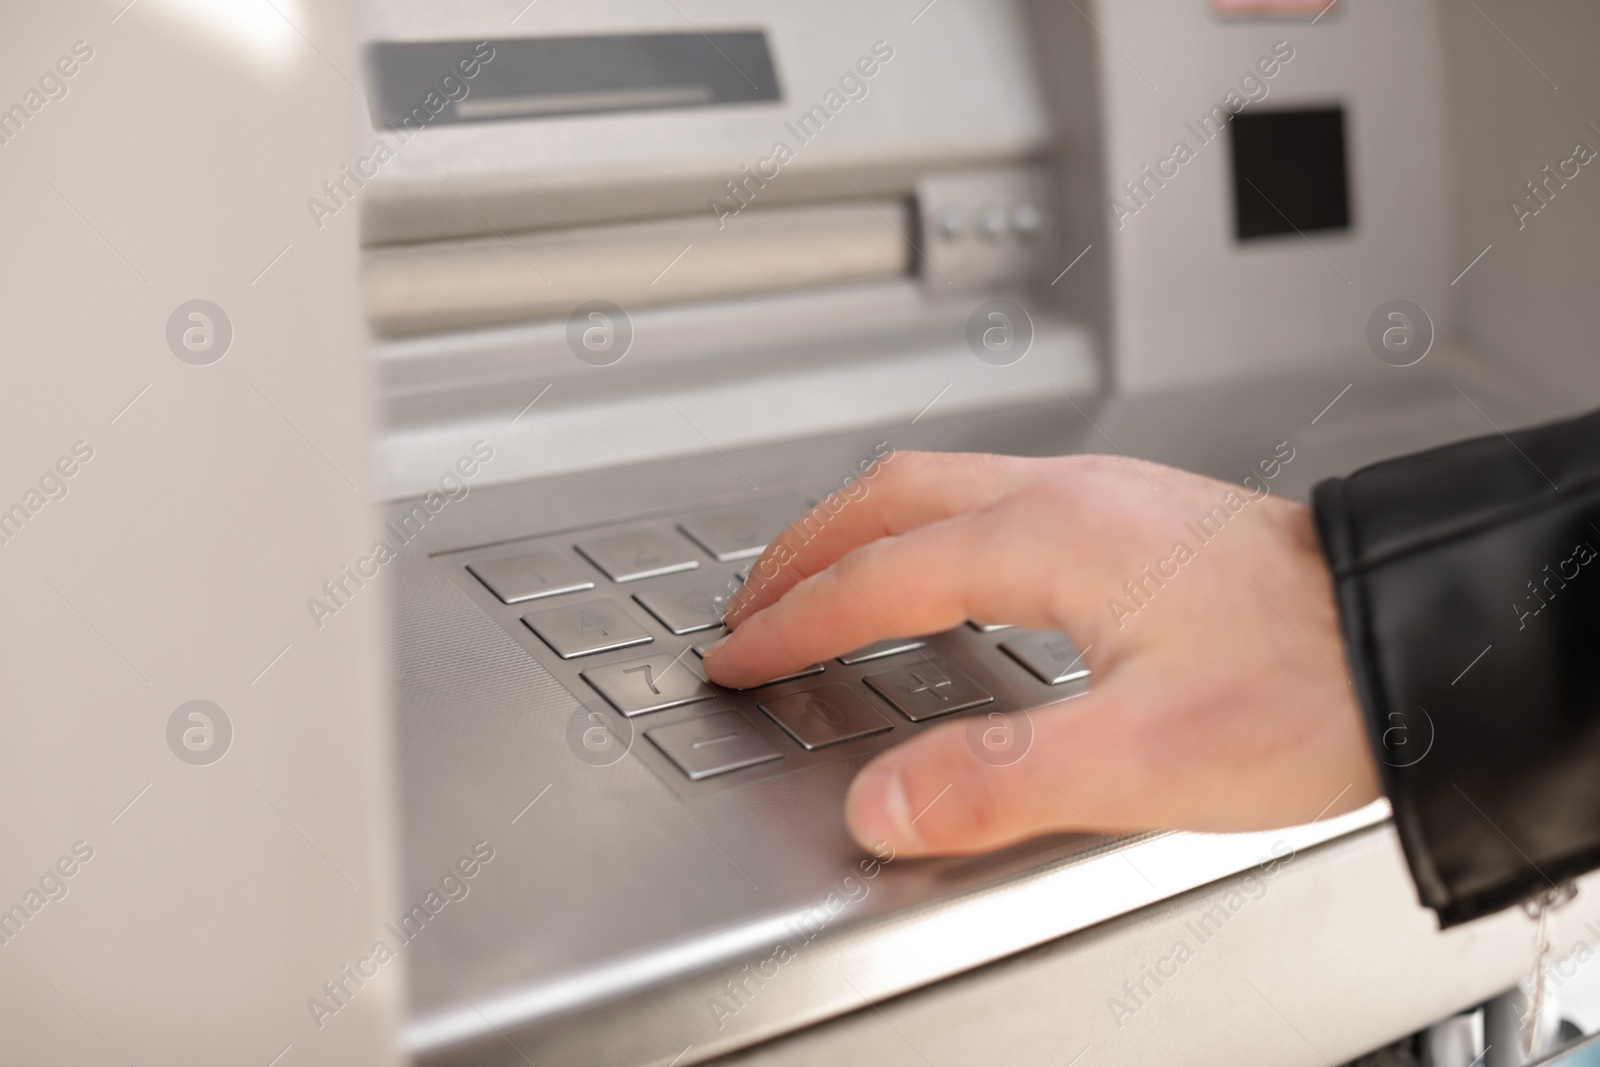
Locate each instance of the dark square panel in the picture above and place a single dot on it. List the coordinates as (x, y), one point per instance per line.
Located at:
(1290, 173)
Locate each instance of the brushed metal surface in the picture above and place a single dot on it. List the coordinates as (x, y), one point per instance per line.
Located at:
(622, 904)
(1321, 959)
(958, 92)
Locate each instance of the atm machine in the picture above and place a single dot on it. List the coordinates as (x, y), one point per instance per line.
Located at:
(647, 280)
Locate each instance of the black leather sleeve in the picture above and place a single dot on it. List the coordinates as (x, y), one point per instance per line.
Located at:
(1468, 587)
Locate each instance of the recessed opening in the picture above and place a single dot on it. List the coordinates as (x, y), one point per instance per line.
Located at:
(1289, 172)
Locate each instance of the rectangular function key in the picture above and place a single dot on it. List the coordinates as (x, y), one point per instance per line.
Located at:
(825, 716)
(1050, 656)
(532, 575)
(803, 672)
(735, 533)
(634, 554)
(653, 683)
(587, 628)
(878, 650)
(714, 744)
(687, 605)
(926, 690)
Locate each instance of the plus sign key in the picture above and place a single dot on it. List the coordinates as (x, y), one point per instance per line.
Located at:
(928, 689)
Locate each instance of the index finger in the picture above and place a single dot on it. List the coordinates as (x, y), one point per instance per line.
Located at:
(918, 583)
(899, 492)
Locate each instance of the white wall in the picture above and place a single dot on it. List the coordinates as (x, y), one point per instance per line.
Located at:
(1519, 105)
(177, 565)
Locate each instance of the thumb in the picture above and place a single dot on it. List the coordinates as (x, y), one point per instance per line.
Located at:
(953, 790)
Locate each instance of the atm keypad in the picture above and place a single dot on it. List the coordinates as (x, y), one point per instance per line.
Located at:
(622, 617)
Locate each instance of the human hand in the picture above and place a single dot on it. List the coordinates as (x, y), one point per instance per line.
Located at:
(1219, 699)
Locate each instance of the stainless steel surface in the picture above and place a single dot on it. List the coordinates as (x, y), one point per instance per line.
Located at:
(653, 683)
(950, 93)
(713, 744)
(929, 688)
(587, 629)
(986, 228)
(696, 880)
(788, 367)
(1323, 957)
(1052, 657)
(827, 715)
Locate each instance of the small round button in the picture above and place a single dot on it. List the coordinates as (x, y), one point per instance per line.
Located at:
(951, 220)
(1027, 220)
(993, 223)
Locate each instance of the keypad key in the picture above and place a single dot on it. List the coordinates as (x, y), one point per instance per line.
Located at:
(989, 627)
(714, 744)
(1051, 656)
(635, 554)
(734, 533)
(687, 605)
(587, 628)
(532, 575)
(803, 672)
(825, 716)
(653, 683)
(926, 690)
(880, 649)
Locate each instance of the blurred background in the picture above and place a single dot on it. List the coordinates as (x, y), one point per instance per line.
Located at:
(368, 359)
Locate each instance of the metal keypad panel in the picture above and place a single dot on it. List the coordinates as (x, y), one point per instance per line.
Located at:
(622, 614)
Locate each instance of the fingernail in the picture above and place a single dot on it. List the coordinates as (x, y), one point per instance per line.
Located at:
(712, 649)
(898, 808)
(882, 811)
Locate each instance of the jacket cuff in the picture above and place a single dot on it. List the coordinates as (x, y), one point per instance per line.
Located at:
(1468, 592)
